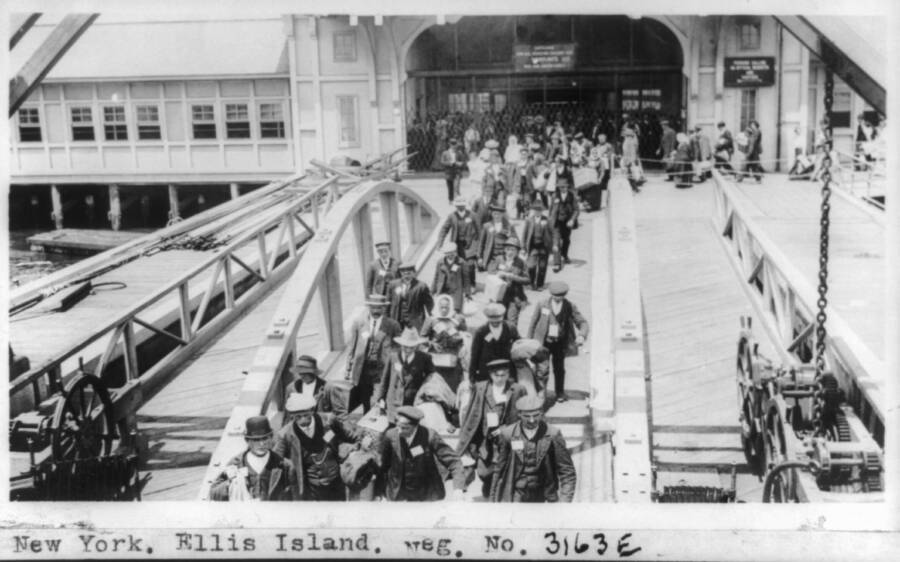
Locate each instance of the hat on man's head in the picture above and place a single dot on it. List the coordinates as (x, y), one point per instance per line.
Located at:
(382, 242)
(460, 201)
(512, 243)
(497, 364)
(529, 403)
(491, 144)
(407, 266)
(499, 208)
(305, 364)
(257, 427)
(298, 402)
(579, 135)
(449, 248)
(453, 142)
(539, 119)
(558, 288)
(410, 338)
(537, 204)
(485, 154)
(494, 310)
(376, 299)
(411, 413)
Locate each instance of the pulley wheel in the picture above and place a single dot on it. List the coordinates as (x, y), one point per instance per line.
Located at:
(83, 426)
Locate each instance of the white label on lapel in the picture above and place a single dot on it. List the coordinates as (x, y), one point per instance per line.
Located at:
(416, 451)
(553, 330)
(382, 272)
(399, 290)
(518, 445)
(493, 420)
(468, 219)
(455, 268)
(501, 400)
(329, 435)
(398, 367)
(365, 335)
(545, 311)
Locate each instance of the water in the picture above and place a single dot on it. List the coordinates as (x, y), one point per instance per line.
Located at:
(26, 265)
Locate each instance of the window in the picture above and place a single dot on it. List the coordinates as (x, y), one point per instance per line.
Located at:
(271, 121)
(840, 108)
(82, 124)
(203, 118)
(347, 119)
(29, 125)
(748, 107)
(148, 122)
(114, 126)
(345, 46)
(749, 35)
(237, 121)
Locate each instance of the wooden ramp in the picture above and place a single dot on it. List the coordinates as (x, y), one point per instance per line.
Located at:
(692, 300)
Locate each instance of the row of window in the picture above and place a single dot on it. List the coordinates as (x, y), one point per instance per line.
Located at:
(147, 122)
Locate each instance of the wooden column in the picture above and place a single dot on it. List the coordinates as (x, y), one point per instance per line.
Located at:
(174, 210)
(362, 235)
(413, 217)
(235, 191)
(391, 219)
(115, 207)
(56, 201)
(332, 312)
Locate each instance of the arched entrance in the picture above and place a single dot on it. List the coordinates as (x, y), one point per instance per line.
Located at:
(499, 71)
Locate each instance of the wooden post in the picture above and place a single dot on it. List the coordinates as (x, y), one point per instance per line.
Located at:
(115, 207)
(330, 295)
(174, 210)
(57, 213)
(362, 234)
(390, 219)
(235, 191)
(413, 221)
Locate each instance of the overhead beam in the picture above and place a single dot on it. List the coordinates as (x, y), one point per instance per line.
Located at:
(836, 60)
(23, 29)
(45, 58)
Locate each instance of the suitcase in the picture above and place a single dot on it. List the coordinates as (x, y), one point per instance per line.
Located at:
(494, 288)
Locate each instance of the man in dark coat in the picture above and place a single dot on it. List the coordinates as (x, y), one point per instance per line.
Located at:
(511, 269)
(311, 444)
(561, 328)
(537, 243)
(368, 352)
(532, 463)
(452, 162)
(410, 455)
(308, 381)
(754, 151)
(463, 228)
(481, 207)
(451, 277)
(563, 216)
(411, 299)
(494, 236)
(404, 373)
(667, 146)
(257, 473)
(724, 148)
(491, 341)
(493, 405)
(382, 271)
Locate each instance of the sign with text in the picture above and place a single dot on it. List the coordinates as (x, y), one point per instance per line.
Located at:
(560, 56)
(742, 72)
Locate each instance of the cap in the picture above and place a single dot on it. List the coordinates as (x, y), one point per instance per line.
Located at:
(410, 412)
(538, 204)
(298, 402)
(579, 135)
(305, 364)
(410, 338)
(376, 299)
(498, 364)
(382, 242)
(494, 310)
(460, 201)
(558, 288)
(529, 404)
(512, 243)
(498, 208)
(406, 266)
(257, 427)
(449, 248)
(491, 144)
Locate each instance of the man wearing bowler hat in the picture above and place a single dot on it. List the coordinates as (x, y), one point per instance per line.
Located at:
(537, 243)
(410, 455)
(463, 229)
(532, 463)
(491, 341)
(403, 375)
(308, 380)
(381, 271)
(257, 473)
(563, 217)
(370, 346)
(511, 269)
(494, 235)
(410, 298)
(311, 444)
(451, 277)
(560, 327)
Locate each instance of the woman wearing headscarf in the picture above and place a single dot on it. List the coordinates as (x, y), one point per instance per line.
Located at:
(445, 330)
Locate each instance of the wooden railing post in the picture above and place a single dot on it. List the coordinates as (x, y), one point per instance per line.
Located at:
(390, 218)
(332, 311)
(362, 235)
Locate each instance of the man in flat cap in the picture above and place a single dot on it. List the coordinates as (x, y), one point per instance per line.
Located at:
(451, 277)
(410, 454)
(381, 271)
(463, 229)
(537, 243)
(492, 405)
(560, 327)
(411, 299)
(404, 373)
(308, 379)
(368, 352)
(511, 268)
(481, 207)
(532, 463)
(494, 235)
(491, 341)
(311, 444)
(452, 162)
(563, 217)
(257, 473)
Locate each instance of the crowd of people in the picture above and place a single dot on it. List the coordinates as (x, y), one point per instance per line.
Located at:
(418, 370)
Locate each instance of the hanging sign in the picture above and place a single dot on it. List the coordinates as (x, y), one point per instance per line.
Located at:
(560, 56)
(749, 71)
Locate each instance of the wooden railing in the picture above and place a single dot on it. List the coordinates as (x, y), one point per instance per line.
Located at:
(789, 302)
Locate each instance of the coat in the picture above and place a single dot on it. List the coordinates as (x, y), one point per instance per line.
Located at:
(667, 142)
(392, 388)
(297, 386)
(754, 144)
(379, 279)
(435, 451)
(280, 474)
(557, 472)
(569, 319)
(471, 430)
(287, 445)
(489, 239)
(465, 228)
(531, 238)
(481, 211)
(483, 352)
(517, 277)
(563, 211)
(419, 298)
(380, 343)
(450, 279)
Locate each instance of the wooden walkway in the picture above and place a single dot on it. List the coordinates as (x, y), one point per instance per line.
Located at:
(692, 302)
